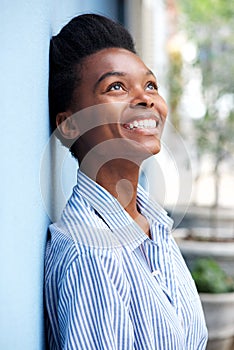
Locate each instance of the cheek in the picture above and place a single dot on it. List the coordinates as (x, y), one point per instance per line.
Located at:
(100, 118)
(109, 114)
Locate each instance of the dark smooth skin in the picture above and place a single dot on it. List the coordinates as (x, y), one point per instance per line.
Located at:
(121, 89)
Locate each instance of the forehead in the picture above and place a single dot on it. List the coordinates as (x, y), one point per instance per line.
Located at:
(113, 59)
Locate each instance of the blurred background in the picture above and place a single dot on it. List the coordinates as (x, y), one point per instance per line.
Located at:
(189, 45)
(192, 50)
(201, 67)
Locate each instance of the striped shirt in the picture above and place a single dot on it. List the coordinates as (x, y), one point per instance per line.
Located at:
(108, 286)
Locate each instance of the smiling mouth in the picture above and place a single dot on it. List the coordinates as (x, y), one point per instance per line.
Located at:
(142, 124)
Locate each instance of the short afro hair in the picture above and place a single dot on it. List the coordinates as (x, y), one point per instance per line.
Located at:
(82, 36)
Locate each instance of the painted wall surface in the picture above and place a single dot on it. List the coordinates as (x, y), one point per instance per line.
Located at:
(26, 27)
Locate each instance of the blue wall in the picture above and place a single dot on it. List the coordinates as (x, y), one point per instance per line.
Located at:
(26, 27)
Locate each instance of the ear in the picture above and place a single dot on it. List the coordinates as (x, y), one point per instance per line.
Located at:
(67, 125)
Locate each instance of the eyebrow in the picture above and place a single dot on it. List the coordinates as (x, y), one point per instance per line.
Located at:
(149, 72)
(117, 74)
(106, 75)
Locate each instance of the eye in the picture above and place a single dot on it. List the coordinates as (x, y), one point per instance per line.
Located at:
(151, 85)
(115, 87)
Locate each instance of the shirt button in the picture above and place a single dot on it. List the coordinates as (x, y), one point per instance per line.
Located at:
(155, 272)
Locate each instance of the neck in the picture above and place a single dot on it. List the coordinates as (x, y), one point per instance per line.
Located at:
(120, 178)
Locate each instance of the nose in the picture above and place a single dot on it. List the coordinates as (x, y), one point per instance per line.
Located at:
(142, 99)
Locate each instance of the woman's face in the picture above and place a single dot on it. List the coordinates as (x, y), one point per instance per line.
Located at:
(118, 99)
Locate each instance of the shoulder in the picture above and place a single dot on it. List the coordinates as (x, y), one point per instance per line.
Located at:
(63, 252)
(60, 253)
(72, 265)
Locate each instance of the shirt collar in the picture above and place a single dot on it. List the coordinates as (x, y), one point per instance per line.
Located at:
(125, 230)
(151, 209)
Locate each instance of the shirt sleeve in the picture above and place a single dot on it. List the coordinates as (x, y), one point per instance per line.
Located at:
(93, 306)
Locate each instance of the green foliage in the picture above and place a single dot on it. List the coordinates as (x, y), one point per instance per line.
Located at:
(210, 24)
(215, 136)
(175, 85)
(204, 11)
(210, 278)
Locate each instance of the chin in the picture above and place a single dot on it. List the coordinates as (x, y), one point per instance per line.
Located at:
(153, 149)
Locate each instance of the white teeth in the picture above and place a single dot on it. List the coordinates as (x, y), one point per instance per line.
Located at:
(146, 123)
(143, 124)
(153, 123)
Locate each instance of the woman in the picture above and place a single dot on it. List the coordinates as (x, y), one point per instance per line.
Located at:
(115, 278)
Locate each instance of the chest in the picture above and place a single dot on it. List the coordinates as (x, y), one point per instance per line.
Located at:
(163, 296)
(152, 276)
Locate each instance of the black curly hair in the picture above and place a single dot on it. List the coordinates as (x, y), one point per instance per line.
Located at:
(81, 37)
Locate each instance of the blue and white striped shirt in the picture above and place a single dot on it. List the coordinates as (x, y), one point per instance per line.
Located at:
(109, 287)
